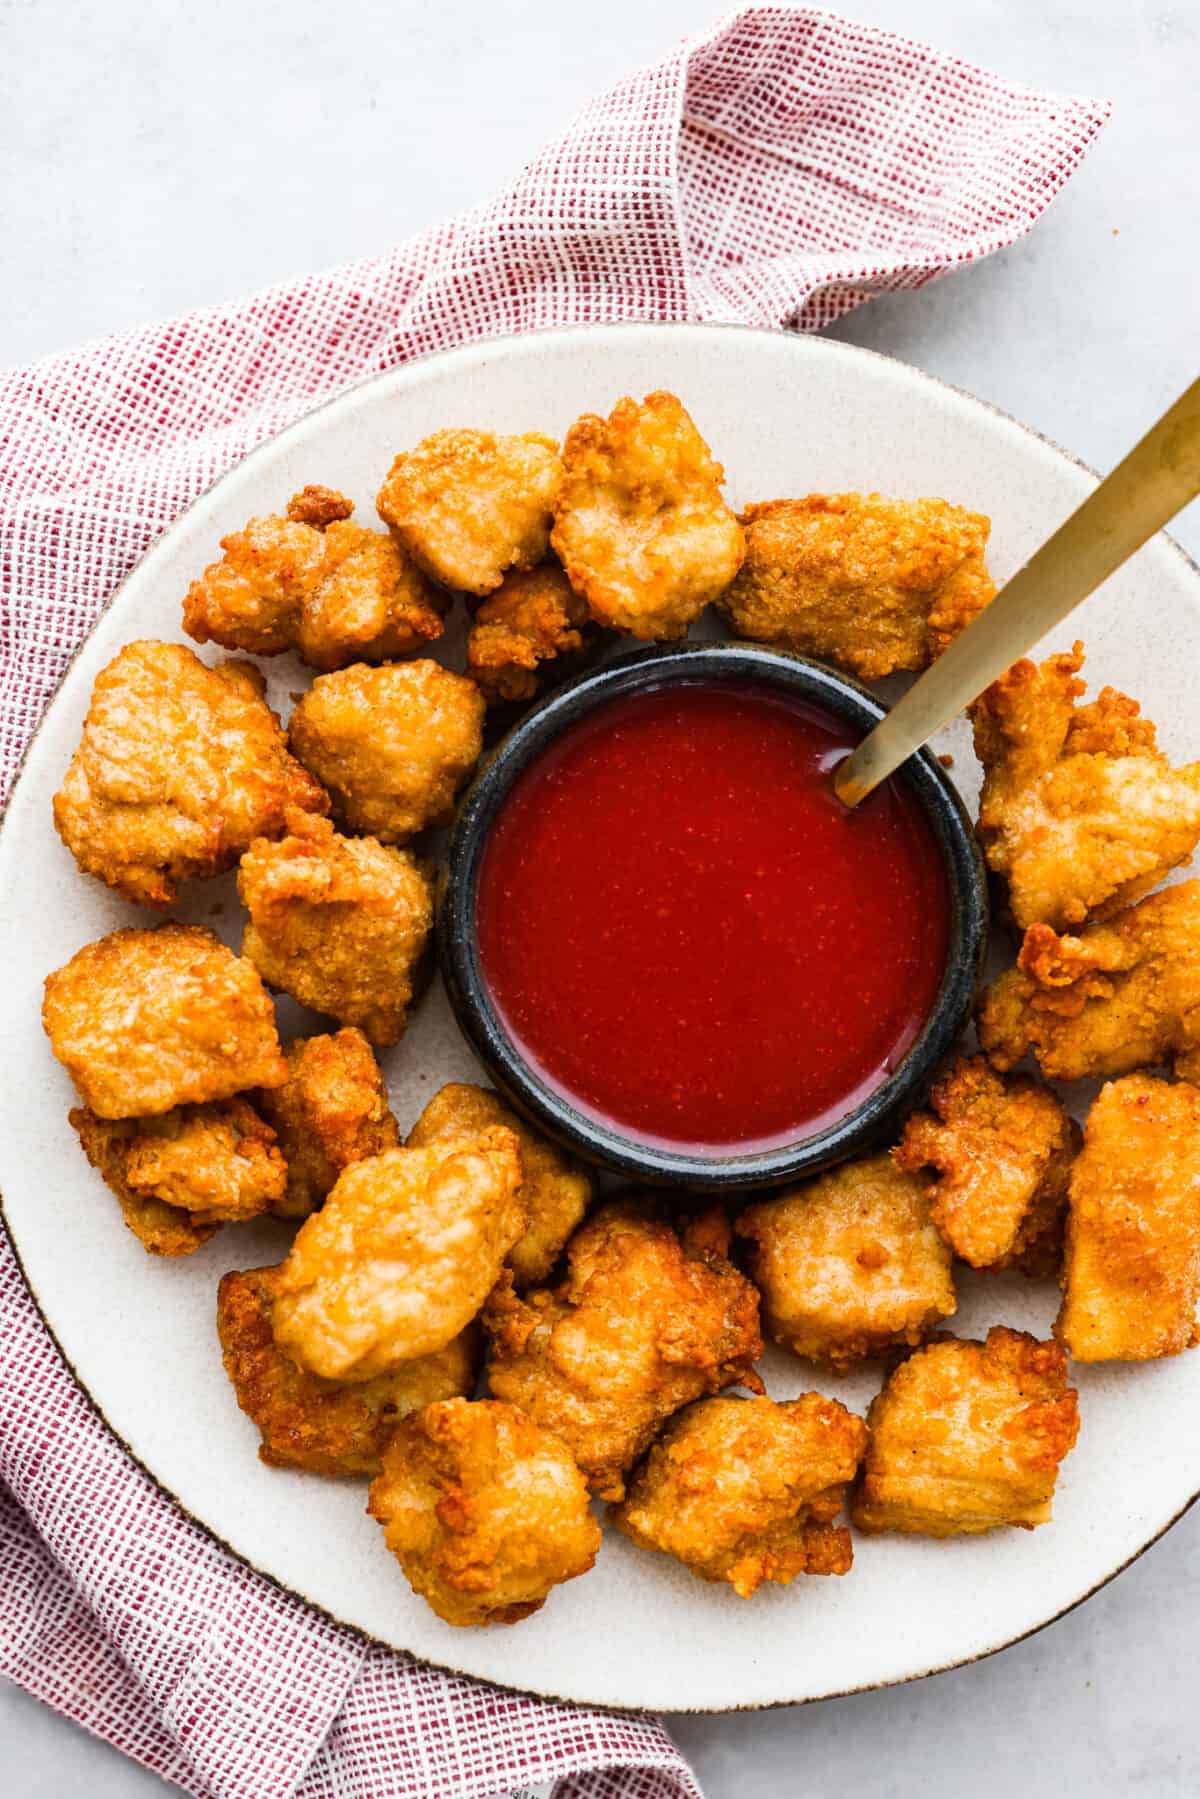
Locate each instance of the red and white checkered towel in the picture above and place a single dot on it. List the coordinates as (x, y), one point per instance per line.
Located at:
(778, 171)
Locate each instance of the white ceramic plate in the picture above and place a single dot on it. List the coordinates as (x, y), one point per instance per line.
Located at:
(786, 415)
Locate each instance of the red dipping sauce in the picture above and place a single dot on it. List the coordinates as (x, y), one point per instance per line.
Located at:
(687, 935)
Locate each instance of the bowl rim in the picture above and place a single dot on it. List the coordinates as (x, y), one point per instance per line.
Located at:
(645, 670)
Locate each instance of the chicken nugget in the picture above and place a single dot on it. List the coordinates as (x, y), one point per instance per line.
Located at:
(641, 528)
(968, 1436)
(178, 768)
(1000, 1151)
(555, 1192)
(1121, 995)
(1132, 1272)
(324, 1426)
(1081, 813)
(393, 745)
(744, 1490)
(849, 1264)
(146, 1020)
(340, 923)
(401, 1256)
(181, 1175)
(534, 617)
(877, 586)
(469, 505)
(484, 1511)
(331, 1111)
(643, 1323)
(315, 582)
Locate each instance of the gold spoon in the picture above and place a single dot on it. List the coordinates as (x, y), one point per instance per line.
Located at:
(1154, 482)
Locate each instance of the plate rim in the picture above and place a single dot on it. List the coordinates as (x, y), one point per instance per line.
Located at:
(804, 343)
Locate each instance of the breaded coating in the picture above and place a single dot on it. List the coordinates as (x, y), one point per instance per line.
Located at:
(1081, 813)
(469, 505)
(1132, 1272)
(744, 1490)
(555, 1192)
(968, 1436)
(483, 1511)
(340, 923)
(146, 1020)
(317, 583)
(178, 768)
(401, 1256)
(641, 528)
(534, 616)
(1000, 1151)
(331, 1111)
(644, 1322)
(1122, 995)
(878, 586)
(393, 745)
(181, 1175)
(324, 1426)
(849, 1264)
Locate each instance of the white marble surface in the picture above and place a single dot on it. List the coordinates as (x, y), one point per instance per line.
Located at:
(159, 156)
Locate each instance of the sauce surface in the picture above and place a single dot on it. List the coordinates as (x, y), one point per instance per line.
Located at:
(688, 936)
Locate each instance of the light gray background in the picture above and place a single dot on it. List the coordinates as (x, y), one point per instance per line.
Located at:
(161, 155)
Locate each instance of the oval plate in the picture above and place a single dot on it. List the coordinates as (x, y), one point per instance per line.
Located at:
(786, 415)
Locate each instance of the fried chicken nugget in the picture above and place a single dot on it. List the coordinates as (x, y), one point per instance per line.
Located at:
(1122, 995)
(317, 583)
(324, 1426)
(331, 1111)
(470, 505)
(179, 1176)
(878, 586)
(340, 923)
(645, 1321)
(744, 1490)
(534, 616)
(1081, 813)
(641, 528)
(401, 1256)
(1132, 1272)
(484, 1511)
(1000, 1151)
(178, 768)
(555, 1192)
(968, 1436)
(849, 1264)
(146, 1020)
(393, 745)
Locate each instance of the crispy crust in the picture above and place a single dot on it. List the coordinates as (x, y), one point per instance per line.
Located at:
(746, 1491)
(145, 1020)
(340, 923)
(641, 528)
(1132, 1273)
(849, 1265)
(484, 1511)
(876, 585)
(643, 1323)
(319, 1425)
(555, 1192)
(967, 1437)
(392, 745)
(1000, 1152)
(178, 768)
(331, 1111)
(470, 505)
(1080, 813)
(534, 617)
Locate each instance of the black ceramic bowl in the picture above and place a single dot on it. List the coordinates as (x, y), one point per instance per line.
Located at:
(641, 672)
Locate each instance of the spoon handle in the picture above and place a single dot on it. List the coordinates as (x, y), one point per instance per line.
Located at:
(1157, 478)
